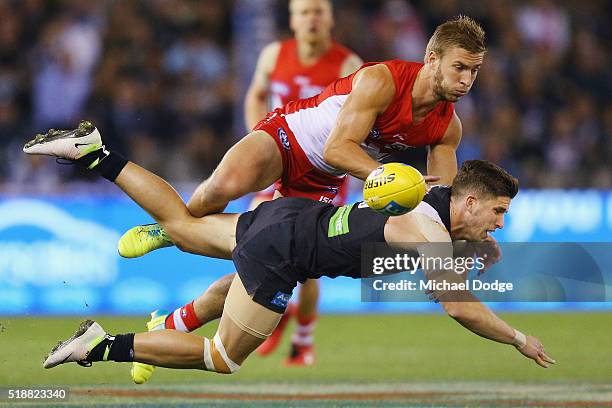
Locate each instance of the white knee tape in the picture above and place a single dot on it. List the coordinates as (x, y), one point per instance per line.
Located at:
(219, 346)
(208, 362)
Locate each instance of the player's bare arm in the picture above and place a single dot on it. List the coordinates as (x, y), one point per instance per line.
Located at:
(256, 99)
(350, 65)
(372, 92)
(401, 232)
(479, 319)
(442, 157)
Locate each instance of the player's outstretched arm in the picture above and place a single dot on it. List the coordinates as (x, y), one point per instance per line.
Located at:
(478, 318)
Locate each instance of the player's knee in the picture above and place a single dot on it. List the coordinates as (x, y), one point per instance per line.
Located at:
(216, 358)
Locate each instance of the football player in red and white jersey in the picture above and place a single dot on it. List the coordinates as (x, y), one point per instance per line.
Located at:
(298, 68)
(311, 144)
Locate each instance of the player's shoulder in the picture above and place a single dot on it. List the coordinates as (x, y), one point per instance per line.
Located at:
(269, 55)
(272, 48)
(375, 71)
(394, 68)
(400, 67)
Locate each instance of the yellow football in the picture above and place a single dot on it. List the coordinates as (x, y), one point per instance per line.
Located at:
(394, 189)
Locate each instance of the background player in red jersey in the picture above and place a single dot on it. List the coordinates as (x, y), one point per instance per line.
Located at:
(347, 128)
(288, 70)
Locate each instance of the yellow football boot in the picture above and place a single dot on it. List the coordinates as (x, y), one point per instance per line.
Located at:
(143, 239)
(142, 372)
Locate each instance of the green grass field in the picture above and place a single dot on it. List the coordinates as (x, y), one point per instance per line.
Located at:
(369, 360)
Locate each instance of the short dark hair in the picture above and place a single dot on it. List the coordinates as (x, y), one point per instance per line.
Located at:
(462, 32)
(486, 178)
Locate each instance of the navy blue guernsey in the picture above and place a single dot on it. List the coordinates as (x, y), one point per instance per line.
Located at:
(290, 240)
(328, 239)
(316, 239)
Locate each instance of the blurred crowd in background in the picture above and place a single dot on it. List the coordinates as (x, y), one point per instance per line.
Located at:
(156, 77)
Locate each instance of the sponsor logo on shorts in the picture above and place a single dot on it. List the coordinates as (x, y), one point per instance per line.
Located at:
(281, 299)
(283, 138)
(332, 189)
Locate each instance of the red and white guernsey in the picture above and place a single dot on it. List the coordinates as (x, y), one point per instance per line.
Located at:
(301, 129)
(290, 80)
(311, 120)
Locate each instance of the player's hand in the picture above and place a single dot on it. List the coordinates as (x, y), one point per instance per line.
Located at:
(535, 351)
(429, 180)
(490, 251)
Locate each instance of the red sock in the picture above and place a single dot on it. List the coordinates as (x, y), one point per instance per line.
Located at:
(303, 334)
(183, 319)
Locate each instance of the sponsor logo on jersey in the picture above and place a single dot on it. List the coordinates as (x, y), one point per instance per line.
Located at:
(281, 299)
(338, 223)
(283, 138)
(379, 181)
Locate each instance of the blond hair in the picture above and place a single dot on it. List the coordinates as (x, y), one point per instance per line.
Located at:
(462, 32)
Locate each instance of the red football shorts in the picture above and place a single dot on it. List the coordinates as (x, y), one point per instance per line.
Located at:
(300, 178)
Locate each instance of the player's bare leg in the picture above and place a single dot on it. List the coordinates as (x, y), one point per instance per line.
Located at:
(302, 341)
(250, 165)
(212, 236)
(175, 349)
(244, 326)
(183, 229)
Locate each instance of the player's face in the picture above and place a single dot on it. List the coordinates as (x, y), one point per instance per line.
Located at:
(485, 216)
(455, 74)
(311, 20)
